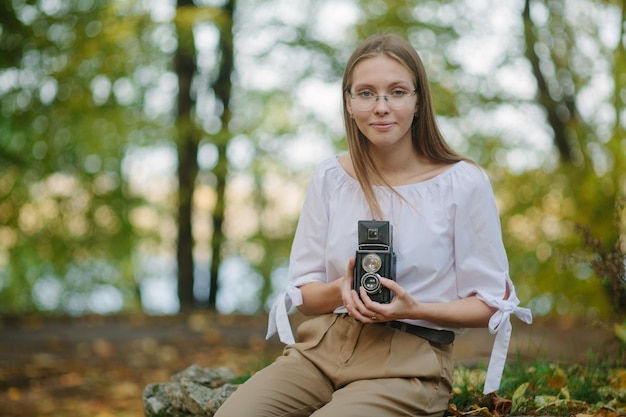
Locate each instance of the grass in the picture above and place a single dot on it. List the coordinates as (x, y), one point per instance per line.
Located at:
(543, 388)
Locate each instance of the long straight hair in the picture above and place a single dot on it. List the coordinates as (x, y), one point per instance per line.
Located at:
(426, 137)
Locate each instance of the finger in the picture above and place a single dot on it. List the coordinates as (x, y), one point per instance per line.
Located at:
(350, 268)
(359, 310)
(391, 284)
(365, 298)
(367, 301)
(370, 307)
(354, 304)
(357, 301)
(382, 312)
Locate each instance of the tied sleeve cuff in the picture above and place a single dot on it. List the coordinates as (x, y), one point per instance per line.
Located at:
(279, 318)
(500, 324)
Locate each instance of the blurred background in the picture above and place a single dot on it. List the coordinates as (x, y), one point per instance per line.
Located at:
(154, 155)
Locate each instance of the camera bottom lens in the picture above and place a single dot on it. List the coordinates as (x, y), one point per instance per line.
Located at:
(371, 283)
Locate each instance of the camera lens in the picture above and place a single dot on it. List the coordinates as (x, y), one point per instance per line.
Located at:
(371, 283)
(371, 263)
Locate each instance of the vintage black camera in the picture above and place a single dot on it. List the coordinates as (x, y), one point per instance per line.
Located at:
(375, 258)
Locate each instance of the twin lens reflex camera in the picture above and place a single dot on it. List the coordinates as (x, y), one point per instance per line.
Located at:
(375, 258)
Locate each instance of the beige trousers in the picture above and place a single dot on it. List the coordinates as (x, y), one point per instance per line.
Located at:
(341, 368)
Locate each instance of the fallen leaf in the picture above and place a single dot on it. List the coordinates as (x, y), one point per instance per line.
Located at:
(620, 332)
(501, 406)
(14, 394)
(103, 348)
(518, 395)
(558, 379)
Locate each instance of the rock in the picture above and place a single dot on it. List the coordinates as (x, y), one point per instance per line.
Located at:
(205, 376)
(194, 392)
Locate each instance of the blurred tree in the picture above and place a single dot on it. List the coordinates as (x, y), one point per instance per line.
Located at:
(223, 87)
(192, 129)
(71, 100)
(187, 146)
(203, 119)
(118, 75)
(190, 135)
(576, 51)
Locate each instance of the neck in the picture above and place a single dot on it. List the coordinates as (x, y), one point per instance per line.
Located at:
(405, 168)
(397, 164)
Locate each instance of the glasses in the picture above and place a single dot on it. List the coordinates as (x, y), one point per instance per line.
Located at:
(396, 100)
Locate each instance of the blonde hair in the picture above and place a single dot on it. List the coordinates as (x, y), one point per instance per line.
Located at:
(427, 139)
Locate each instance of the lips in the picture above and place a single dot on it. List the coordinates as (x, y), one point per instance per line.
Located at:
(382, 125)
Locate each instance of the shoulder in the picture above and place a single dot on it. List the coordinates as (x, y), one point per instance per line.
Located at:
(470, 182)
(462, 175)
(465, 179)
(329, 175)
(470, 173)
(326, 165)
(330, 170)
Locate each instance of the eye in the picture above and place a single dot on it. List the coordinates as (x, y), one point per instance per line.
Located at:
(398, 93)
(365, 94)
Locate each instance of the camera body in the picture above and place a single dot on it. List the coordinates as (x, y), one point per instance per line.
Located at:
(375, 258)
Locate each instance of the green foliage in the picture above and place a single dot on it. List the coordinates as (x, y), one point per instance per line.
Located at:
(72, 103)
(589, 181)
(609, 263)
(540, 211)
(542, 389)
(83, 85)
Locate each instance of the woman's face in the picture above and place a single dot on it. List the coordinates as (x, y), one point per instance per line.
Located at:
(386, 122)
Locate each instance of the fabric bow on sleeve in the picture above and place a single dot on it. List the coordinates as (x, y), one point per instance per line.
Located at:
(279, 319)
(500, 325)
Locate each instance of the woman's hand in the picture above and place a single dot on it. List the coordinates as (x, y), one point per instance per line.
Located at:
(402, 305)
(367, 311)
(363, 308)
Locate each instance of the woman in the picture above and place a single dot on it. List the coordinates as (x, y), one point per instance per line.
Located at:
(359, 357)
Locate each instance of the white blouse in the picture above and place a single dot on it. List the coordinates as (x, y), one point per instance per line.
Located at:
(446, 236)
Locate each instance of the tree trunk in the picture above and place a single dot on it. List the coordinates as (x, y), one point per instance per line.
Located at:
(187, 164)
(554, 109)
(223, 86)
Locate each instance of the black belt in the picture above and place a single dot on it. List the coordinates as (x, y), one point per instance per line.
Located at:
(445, 337)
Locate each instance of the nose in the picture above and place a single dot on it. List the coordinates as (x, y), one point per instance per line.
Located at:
(381, 104)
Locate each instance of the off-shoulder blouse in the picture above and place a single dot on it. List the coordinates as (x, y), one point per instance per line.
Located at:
(446, 236)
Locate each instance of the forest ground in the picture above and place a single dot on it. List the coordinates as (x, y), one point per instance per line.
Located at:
(98, 366)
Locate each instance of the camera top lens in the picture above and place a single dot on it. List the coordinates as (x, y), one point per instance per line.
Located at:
(371, 262)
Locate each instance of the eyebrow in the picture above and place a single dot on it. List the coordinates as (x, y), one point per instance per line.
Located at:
(393, 84)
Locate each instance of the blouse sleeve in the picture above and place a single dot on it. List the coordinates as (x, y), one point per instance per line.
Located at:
(307, 258)
(480, 258)
(482, 266)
